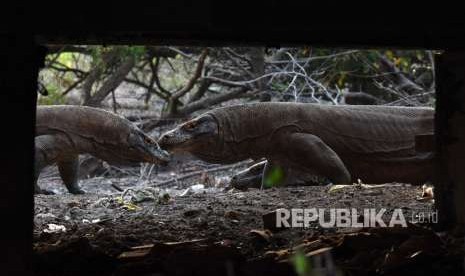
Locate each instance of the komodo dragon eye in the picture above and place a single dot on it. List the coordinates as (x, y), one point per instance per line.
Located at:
(148, 140)
(190, 126)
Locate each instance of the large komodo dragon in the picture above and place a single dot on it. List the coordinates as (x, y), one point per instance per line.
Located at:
(341, 143)
(64, 132)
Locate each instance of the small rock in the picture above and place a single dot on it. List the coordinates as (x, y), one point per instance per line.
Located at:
(73, 203)
(192, 213)
(269, 220)
(262, 235)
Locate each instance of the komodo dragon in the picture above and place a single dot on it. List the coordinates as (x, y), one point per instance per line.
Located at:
(63, 132)
(341, 143)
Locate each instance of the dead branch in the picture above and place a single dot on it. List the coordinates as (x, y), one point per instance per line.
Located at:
(63, 68)
(115, 104)
(228, 82)
(208, 102)
(402, 80)
(72, 86)
(95, 74)
(311, 59)
(239, 56)
(200, 172)
(154, 68)
(151, 89)
(197, 73)
(200, 92)
(238, 64)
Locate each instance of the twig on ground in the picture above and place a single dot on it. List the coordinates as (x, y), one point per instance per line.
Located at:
(200, 172)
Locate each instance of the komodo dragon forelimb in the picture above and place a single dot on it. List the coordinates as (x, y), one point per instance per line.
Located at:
(64, 132)
(68, 166)
(309, 152)
(305, 153)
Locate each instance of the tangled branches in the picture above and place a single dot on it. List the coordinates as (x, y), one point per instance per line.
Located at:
(188, 79)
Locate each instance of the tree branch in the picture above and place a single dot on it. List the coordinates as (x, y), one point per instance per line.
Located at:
(72, 86)
(141, 84)
(197, 73)
(402, 80)
(154, 68)
(207, 102)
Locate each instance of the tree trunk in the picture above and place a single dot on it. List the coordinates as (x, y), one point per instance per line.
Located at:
(94, 75)
(257, 60)
(450, 140)
(111, 83)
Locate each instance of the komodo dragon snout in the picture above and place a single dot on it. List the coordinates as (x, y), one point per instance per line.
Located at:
(142, 146)
(195, 135)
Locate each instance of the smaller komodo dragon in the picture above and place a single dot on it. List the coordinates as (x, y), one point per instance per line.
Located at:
(341, 143)
(65, 131)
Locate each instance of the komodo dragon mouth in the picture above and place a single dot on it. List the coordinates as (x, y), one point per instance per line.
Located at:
(142, 145)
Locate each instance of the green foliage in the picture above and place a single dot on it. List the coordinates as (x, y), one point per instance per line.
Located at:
(301, 264)
(66, 59)
(54, 96)
(274, 177)
(281, 87)
(97, 52)
(136, 51)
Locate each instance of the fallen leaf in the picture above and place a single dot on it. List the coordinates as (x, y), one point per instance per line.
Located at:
(264, 235)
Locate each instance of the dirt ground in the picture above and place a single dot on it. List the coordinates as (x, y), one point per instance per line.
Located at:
(198, 210)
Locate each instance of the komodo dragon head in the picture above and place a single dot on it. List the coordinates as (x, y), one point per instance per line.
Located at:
(249, 178)
(141, 146)
(196, 135)
(101, 133)
(133, 147)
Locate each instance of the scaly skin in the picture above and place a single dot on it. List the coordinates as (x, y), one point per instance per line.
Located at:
(342, 143)
(64, 132)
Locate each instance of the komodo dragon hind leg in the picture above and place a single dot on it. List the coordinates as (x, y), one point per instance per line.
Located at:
(39, 164)
(69, 171)
(309, 151)
(42, 160)
(51, 149)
